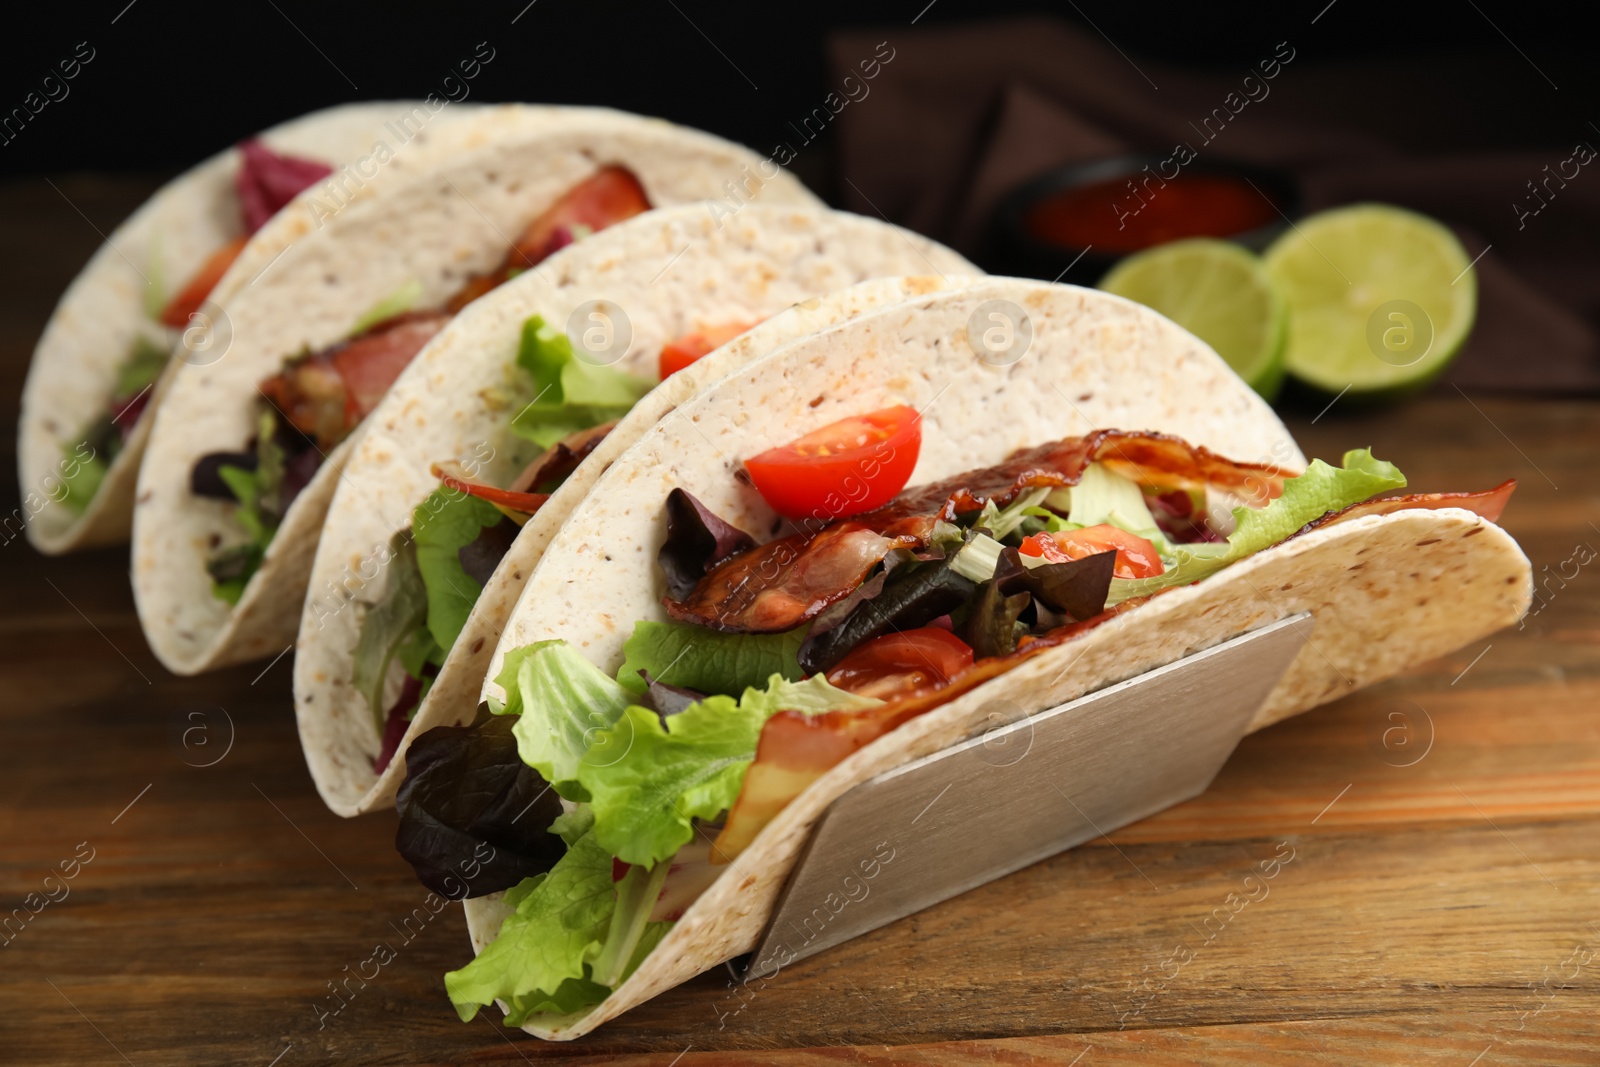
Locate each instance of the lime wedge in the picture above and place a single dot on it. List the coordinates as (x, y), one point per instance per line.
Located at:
(1380, 299)
(1220, 293)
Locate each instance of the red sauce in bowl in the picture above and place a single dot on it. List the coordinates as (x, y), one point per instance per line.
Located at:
(1130, 213)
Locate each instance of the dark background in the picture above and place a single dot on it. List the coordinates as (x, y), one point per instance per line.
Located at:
(171, 83)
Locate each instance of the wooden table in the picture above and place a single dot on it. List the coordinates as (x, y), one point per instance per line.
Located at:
(1442, 905)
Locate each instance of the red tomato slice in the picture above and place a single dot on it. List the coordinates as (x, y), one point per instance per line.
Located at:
(678, 354)
(1136, 557)
(898, 663)
(844, 468)
(190, 297)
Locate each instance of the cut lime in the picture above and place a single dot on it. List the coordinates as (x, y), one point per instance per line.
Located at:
(1380, 299)
(1220, 293)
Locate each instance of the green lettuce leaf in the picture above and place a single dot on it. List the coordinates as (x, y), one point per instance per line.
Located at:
(557, 929)
(444, 523)
(563, 702)
(694, 657)
(398, 302)
(259, 494)
(570, 394)
(543, 959)
(648, 779)
(145, 362)
(80, 477)
(390, 624)
(1321, 489)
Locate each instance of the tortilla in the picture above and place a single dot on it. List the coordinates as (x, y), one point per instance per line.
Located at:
(430, 226)
(103, 310)
(670, 271)
(1386, 591)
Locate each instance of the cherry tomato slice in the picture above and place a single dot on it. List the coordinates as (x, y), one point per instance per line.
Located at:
(842, 469)
(898, 663)
(679, 353)
(190, 297)
(1136, 557)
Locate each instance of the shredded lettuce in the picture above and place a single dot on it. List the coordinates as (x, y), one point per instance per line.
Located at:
(978, 559)
(1000, 523)
(570, 394)
(1321, 489)
(1102, 497)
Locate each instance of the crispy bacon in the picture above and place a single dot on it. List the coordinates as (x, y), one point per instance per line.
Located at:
(796, 749)
(328, 393)
(780, 584)
(1489, 503)
(787, 582)
(558, 461)
(609, 196)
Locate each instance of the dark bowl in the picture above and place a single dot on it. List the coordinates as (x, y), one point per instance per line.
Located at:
(1010, 249)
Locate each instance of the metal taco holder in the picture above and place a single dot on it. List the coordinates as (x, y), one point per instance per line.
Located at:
(996, 803)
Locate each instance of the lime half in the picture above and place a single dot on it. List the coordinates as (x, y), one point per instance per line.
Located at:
(1380, 299)
(1220, 293)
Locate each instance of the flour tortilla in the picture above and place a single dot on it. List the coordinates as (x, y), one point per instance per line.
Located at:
(669, 272)
(162, 244)
(1386, 591)
(432, 225)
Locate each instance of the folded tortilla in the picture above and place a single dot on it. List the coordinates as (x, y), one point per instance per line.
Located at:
(1386, 591)
(668, 272)
(160, 247)
(424, 224)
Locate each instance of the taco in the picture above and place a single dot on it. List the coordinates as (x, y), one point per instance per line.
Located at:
(249, 444)
(494, 433)
(848, 554)
(97, 369)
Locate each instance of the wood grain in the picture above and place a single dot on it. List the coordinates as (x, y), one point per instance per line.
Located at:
(1443, 902)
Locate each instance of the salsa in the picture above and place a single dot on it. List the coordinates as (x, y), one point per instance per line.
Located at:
(1112, 217)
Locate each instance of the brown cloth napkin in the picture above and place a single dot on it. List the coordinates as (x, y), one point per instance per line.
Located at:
(961, 115)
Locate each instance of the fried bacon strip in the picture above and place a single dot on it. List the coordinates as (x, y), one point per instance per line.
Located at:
(796, 749)
(787, 582)
(1489, 503)
(608, 196)
(326, 394)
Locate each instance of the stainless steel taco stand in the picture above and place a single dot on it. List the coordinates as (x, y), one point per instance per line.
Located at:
(994, 804)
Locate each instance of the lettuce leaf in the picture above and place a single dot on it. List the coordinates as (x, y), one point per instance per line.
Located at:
(649, 778)
(260, 496)
(80, 477)
(542, 960)
(443, 524)
(570, 394)
(1321, 489)
(557, 929)
(693, 657)
(391, 624)
(562, 702)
